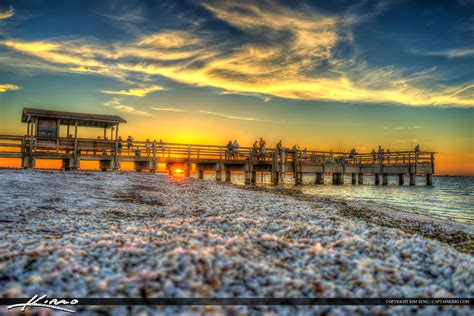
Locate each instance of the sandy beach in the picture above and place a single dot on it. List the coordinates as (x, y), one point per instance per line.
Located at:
(91, 234)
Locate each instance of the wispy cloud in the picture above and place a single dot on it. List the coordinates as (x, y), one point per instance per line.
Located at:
(257, 95)
(450, 53)
(8, 87)
(117, 104)
(7, 14)
(423, 72)
(233, 117)
(167, 109)
(137, 92)
(403, 127)
(288, 52)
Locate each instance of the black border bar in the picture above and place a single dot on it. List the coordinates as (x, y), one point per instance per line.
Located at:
(253, 301)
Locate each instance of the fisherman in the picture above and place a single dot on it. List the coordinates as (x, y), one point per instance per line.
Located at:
(417, 151)
(374, 156)
(387, 153)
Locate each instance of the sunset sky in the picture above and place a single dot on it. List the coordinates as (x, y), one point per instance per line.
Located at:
(321, 74)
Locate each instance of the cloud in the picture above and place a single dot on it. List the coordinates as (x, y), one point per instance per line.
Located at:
(449, 53)
(137, 92)
(263, 97)
(242, 118)
(8, 87)
(423, 72)
(117, 104)
(403, 127)
(7, 14)
(167, 109)
(289, 52)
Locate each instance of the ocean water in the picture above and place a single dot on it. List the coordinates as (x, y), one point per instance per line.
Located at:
(449, 197)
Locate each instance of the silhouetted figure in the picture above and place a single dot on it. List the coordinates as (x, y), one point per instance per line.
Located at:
(129, 143)
(120, 145)
(147, 147)
(262, 145)
(235, 149)
(381, 154)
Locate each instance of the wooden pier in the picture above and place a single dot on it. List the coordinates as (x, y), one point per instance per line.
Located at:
(42, 141)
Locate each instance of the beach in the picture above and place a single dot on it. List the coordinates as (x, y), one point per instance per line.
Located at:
(123, 234)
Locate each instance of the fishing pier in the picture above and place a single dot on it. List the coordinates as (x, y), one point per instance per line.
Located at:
(43, 141)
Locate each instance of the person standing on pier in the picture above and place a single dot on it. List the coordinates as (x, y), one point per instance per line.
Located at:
(262, 144)
(417, 151)
(235, 149)
(147, 147)
(129, 143)
(163, 147)
(353, 155)
(228, 150)
(381, 154)
(387, 153)
(374, 156)
(255, 150)
(279, 147)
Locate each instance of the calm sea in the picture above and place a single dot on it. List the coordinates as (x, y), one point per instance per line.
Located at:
(449, 197)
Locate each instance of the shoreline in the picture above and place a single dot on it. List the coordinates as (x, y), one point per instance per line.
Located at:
(457, 234)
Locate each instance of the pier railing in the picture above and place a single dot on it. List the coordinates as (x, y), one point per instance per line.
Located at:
(21, 145)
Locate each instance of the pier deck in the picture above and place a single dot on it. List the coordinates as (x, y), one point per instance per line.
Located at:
(210, 158)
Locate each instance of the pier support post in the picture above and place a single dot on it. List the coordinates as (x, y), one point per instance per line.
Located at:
(187, 171)
(319, 178)
(354, 178)
(218, 175)
(341, 178)
(276, 177)
(377, 178)
(67, 164)
(412, 179)
(429, 179)
(227, 176)
(337, 178)
(200, 174)
(385, 179)
(248, 168)
(401, 179)
(253, 179)
(28, 162)
(298, 178)
(360, 179)
(117, 163)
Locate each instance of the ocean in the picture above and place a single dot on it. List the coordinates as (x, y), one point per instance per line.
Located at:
(449, 197)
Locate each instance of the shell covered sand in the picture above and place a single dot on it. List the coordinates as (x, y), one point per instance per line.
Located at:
(88, 234)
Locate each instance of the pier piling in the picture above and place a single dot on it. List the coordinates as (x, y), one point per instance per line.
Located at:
(401, 179)
(412, 179)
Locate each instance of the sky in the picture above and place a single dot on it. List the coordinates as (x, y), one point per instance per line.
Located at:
(320, 74)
